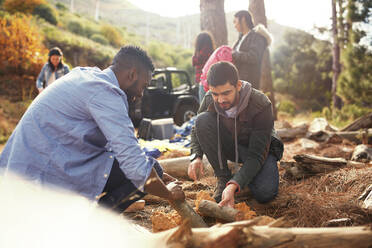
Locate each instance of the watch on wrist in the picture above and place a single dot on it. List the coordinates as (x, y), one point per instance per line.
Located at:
(193, 157)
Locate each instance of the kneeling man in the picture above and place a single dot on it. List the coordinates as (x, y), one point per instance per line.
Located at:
(235, 122)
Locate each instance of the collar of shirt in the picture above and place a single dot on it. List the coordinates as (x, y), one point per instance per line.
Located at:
(110, 73)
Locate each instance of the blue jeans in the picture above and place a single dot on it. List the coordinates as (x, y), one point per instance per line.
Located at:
(119, 191)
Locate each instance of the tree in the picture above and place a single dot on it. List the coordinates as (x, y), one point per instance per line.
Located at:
(301, 69)
(24, 6)
(212, 19)
(336, 66)
(257, 9)
(22, 55)
(356, 77)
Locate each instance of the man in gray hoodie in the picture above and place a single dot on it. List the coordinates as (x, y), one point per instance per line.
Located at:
(235, 122)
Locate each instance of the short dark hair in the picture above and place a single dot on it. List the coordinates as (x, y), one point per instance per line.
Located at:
(221, 73)
(247, 16)
(132, 56)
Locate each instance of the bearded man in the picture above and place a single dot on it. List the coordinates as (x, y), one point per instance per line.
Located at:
(235, 122)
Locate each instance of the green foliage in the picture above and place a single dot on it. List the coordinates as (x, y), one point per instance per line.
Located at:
(61, 6)
(22, 6)
(165, 55)
(354, 85)
(286, 106)
(79, 51)
(75, 27)
(100, 39)
(46, 12)
(345, 115)
(301, 68)
(113, 35)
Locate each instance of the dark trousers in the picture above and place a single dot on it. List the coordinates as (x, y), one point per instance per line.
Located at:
(264, 186)
(119, 191)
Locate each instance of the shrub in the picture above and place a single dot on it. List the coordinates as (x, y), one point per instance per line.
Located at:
(24, 6)
(100, 39)
(75, 27)
(287, 106)
(348, 113)
(45, 12)
(61, 6)
(22, 54)
(112, 35)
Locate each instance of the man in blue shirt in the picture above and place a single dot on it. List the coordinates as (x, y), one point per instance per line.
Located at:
(77, 135)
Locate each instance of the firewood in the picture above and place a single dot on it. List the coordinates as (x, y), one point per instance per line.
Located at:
(308, 165)
(177, 167)
(247, 234)
(211, 209)
(366, 199)
(186, 212)
(362, 153)
(294, 132)
(361, 123)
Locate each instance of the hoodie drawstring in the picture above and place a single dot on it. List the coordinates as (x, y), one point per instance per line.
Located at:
(236, 144)
(219, 142)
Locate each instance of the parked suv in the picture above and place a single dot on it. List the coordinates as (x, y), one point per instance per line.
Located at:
(169, 94)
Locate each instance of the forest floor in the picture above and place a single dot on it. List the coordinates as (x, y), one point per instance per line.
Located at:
(309, 202)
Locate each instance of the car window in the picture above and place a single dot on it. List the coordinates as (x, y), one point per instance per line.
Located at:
(179, 81)
(158, 81)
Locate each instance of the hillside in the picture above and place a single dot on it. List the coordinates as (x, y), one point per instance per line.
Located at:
(176, 31)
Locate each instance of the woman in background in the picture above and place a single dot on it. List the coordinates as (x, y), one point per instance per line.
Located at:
(204, 47)
(249, 49)
(52, 70)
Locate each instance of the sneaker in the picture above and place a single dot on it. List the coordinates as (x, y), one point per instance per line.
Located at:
(220, 186)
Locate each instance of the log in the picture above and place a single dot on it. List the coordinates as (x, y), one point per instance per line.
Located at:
(362, 153)
(211, 209)
(366, 199)
(243, 234)
(362, 136)
(177, 167)
(136, 206)
(186, 212)
(292, 133)
(306, 165)
(363, 122)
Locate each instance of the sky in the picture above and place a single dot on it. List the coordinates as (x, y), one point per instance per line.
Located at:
(302, 14)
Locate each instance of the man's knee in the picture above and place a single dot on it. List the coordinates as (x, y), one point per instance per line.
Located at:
(265, 193)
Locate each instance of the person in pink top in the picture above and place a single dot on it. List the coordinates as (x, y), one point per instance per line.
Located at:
(204, 47)
(222, 53)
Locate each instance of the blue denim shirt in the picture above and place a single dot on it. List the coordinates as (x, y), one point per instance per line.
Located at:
(46, 73)
(71, 133)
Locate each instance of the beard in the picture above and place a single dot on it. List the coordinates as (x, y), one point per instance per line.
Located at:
(133, 92)
(228, 105)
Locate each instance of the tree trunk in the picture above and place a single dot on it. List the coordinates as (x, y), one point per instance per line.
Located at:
(336, 66)
(257, 9)
(247, 234)
(212, 19)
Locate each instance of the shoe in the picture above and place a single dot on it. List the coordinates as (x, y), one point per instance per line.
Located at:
(220, 186)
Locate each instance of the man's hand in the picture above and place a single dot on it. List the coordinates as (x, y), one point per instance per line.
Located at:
(196, 168)
(176, 191)
(168, 178)
(228, 196)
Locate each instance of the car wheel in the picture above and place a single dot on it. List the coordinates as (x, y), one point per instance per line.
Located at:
(185, 113)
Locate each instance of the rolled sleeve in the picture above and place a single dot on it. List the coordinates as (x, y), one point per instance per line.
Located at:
(109, 109)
